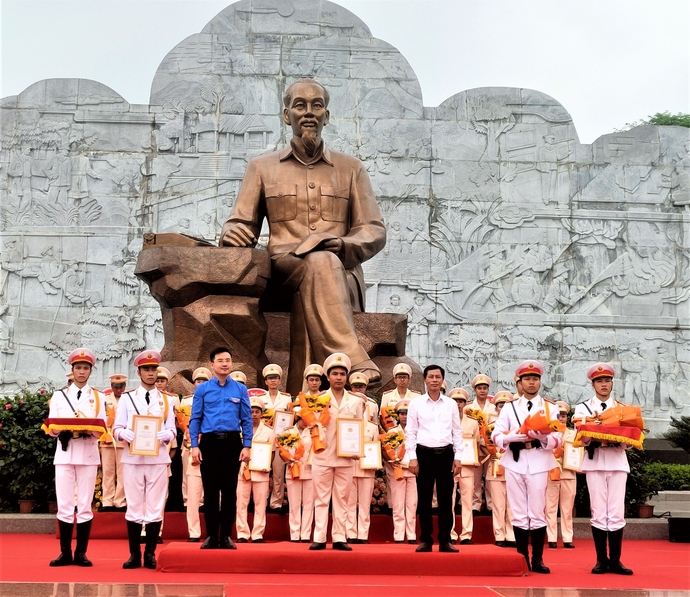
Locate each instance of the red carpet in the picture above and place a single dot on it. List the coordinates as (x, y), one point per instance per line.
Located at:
(112, 525)
(295, 558)
(657, 564)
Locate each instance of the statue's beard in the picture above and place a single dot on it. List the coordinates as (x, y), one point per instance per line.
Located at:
(309, 142)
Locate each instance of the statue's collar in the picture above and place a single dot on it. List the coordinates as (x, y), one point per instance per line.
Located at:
(324, 154)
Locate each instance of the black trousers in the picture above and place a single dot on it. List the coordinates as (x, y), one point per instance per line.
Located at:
(220, 466)
(435, 466)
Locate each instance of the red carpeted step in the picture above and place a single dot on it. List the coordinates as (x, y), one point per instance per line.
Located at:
(112, 525)
(293, 558)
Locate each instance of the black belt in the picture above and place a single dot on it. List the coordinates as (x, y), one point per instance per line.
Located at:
(516, 447)
(221, 435)
(596, 445)
(436, 450)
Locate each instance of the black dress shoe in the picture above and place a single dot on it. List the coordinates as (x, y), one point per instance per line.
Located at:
(226, 543)
(193, 540)
(568, 546)
(412, 541)
(617, 568)
(466, 542)
(291, 541)
(341, 546)
(159, 541)
(476, 512)
(510, 544)
(242, 540)
(352, 541)
(210, 543)
(500, 543)
(316, 546)
(553, 545)
(400, 542)
(363, 541)
(423, 547)
(149, 560)
(260, 540)
(538, 566)
(106, 509)
(448, 547)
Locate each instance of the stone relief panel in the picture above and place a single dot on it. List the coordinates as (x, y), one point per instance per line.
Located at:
(507, 238)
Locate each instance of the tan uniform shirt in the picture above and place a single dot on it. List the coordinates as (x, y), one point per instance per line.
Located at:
(391, 398)
(351, 407)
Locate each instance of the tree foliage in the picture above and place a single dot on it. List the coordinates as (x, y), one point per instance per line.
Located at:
(679, 434)
(661, 119)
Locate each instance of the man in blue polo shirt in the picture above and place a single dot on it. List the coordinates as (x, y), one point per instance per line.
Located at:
(220, 411)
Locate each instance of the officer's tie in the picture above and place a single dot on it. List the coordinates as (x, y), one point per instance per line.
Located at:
(78, 394)
(147, 397)
(603, 406)
(529, 405)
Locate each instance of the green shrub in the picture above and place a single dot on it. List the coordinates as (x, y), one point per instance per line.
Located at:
(679, 434)
(26, 452)
(668, 477)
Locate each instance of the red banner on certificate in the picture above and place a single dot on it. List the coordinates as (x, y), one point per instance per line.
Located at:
(611, 433)
(76, 424)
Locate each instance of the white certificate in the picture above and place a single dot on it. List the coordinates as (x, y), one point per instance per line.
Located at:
(372, 456)
(350, 434)
(282, 420)
(572, 457)
(405, 462)
(145, 442)
(469, 455)
(260, 456)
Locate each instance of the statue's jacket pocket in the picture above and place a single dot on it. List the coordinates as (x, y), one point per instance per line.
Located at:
(281, 202)
(335, 203)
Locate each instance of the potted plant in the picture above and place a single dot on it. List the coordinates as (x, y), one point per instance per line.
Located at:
(640, 487)
(26, 452)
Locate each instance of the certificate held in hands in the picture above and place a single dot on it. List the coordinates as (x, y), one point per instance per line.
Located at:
(260, 456)
(350, 437)
(145, 442)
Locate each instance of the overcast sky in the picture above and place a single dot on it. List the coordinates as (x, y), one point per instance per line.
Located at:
(607, 61)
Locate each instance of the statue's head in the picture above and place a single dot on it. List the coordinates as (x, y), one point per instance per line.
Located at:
(306, 110)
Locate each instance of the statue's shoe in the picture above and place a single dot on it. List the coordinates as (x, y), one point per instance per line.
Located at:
(369, 369)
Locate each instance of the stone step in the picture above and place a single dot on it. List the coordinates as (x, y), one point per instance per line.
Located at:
(672, 496)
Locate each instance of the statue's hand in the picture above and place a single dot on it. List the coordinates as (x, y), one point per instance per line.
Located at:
(239, 235)
(334, 245)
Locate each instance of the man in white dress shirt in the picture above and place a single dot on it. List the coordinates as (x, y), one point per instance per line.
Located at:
(527, 462)
(76, 458)
(606, 467)
(433, 439)
(145, 477)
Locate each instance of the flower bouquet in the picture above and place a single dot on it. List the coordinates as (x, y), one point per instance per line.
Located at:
(486, 431)
(388, 418)
(315, 413)
(539, 424)
(267, 417)
(291, 450)
(182, 416)
(393, 444)
(477, 415)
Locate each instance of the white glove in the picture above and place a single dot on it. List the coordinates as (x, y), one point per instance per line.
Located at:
(164, 436)
(126, 435)
(542, 437)
(514, 436)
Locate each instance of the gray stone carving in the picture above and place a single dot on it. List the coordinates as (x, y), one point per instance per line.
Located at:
(507, 238)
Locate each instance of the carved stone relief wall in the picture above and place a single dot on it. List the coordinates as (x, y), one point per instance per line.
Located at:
(507, 238)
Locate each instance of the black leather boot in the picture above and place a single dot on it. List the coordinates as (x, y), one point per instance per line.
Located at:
(615, 546)
(83, 532)
(152, 530)
(133, 533)
(522, 543)
(538, 536)
(602, 565)
(65, 557)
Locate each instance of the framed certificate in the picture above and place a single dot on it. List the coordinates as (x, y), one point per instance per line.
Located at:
(145, 442)
(372, 456)
(572, 457)
(282, 420)
(350, 437)
(260, 456)
(469, 456)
